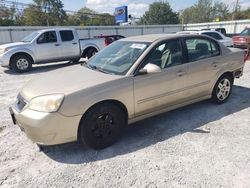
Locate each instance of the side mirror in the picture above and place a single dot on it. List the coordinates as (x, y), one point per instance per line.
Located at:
(149, 69)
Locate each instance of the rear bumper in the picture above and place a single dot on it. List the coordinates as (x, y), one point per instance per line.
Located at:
(46, 128)
(240, 45)
(238, 73)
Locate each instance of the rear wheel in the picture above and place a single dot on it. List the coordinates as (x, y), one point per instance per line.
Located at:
(76, 60)
(102, 125)
(91, 52)
(222, 89)
(21, 63)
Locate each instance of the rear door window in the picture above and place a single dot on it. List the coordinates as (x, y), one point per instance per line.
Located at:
(66, 35)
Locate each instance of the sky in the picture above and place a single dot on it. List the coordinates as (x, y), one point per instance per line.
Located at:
(135, 7)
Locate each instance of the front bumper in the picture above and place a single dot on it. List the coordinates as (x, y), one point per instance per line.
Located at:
(4, 60)
(46, 128)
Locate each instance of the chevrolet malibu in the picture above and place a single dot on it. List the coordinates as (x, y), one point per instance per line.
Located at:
(130, 80)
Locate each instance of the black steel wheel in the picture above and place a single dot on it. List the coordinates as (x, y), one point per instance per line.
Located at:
(102, 125)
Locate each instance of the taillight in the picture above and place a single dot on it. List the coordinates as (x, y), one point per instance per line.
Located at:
(243, 39)
(246, 55)
(106, 43)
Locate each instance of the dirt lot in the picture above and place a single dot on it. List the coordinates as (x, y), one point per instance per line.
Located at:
(202, 145)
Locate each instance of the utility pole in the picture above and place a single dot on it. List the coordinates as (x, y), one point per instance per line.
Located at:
(235, 10)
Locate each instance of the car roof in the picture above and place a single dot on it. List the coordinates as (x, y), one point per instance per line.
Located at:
(154, 37)
(104, 36)
(198, 32)
(56, 29)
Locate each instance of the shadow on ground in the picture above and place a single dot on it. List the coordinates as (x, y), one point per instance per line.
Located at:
(156, 129)
(44, 68)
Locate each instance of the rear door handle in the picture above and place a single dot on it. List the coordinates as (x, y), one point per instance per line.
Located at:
(57, 44)
(180, 73)
(74, 43)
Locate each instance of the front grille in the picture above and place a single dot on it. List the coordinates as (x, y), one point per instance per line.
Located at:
(20, 103)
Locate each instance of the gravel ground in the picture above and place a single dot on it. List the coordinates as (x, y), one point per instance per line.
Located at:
(201, 145)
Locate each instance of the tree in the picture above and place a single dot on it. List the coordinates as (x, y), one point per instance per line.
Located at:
(244, 14)
(159, 13)
(221, 11)
(205, 11)
(34, 16)
(86, 16)
(45, 12)
(7, 16)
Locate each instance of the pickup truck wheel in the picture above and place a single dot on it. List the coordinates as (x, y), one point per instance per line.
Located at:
(76, 60)
(222, 89)
(91, 52)
(101, 126)
(21, 63)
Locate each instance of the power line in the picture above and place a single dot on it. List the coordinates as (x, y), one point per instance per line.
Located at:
(22, 6)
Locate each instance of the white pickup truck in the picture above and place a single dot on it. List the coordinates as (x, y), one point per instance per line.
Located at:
(49, 45)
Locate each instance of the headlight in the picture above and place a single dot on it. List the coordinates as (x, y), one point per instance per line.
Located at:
(46, 103)
(2, 51)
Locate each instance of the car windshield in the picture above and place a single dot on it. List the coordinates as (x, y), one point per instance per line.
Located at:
(30, 37)
(245, 32)
(117, 58)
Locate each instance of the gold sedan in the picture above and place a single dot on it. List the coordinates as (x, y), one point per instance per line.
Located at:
(130, 80)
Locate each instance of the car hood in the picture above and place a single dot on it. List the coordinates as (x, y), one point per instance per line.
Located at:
(12, 45)
(65, 82)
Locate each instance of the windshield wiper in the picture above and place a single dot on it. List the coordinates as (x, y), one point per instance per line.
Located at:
(93, 67)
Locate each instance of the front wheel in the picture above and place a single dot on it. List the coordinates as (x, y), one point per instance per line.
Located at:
(222, 89)
(102, 125)
(21, 63)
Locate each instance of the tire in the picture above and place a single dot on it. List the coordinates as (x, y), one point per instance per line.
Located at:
(101, 126)
(21, 63)
(222, 89)
(76, 60)
(91, 52)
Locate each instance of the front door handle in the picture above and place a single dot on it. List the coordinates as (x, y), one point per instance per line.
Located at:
(74, 43)
(180, 73)
(57, 44)
(214, 64)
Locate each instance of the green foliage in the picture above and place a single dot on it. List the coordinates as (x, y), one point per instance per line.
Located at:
(205, 11)
(159, 13)
(245, 14)
(51, 12)
(45, 12)
(86, 16)
(7, 16)
(34, 16)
